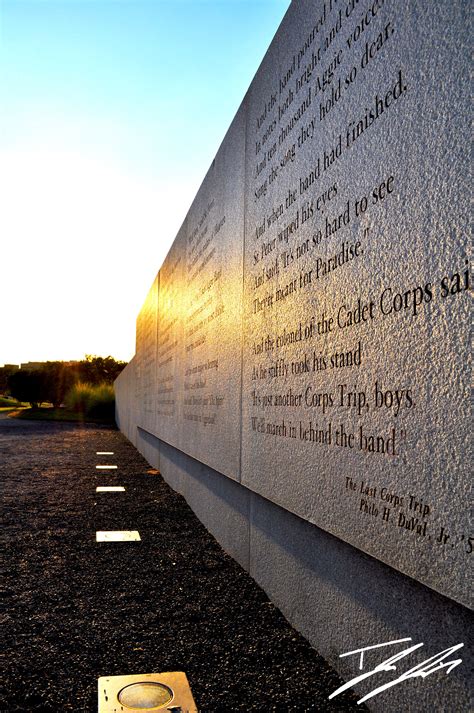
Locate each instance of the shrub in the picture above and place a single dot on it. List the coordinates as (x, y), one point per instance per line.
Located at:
(97, 400)
(103, 402)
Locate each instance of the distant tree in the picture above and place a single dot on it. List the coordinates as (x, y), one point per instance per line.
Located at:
(52, 381)
(27, 386)
(57, 378)
(5, 372)
(96, 370)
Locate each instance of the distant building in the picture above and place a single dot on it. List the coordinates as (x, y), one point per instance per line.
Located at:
(32, 365)
(35, 365)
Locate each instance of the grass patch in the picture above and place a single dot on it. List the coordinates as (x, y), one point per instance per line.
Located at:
(58, 414)
(84, 403)
(9, 403)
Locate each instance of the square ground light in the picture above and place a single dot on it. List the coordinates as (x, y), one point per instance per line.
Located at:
(148, 691)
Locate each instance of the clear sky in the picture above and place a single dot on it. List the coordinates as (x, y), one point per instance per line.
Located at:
(111, 112)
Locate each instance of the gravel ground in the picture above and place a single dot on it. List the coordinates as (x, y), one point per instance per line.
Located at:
(77, 610)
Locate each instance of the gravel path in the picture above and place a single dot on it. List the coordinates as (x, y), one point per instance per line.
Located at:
(77, 610)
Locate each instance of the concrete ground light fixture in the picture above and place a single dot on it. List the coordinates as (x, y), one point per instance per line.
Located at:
(168, 691)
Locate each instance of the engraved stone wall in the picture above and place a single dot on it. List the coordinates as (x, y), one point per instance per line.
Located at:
(313, 310)
(355, 369)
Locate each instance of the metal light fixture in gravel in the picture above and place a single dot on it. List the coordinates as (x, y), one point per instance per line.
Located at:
(117, 536)
(168, 691)
(104, 453)
(110, 489)
(106, 467)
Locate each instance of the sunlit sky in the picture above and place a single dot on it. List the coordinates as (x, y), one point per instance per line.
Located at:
(111, 112)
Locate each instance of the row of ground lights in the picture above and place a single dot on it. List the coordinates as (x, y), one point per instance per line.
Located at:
(113, 535)
(150, 691)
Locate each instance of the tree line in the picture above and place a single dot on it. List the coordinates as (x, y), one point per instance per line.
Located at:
(51, 381)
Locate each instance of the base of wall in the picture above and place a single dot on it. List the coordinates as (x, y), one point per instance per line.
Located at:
(339, 598)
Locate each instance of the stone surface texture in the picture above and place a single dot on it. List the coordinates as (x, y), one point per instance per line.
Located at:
(170, 341)
(145, 355)
(210, 425)
(355, 397)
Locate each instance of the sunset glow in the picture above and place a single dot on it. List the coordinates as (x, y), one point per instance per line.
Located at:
(102, 149)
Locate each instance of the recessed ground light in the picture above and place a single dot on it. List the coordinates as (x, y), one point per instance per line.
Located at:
(117, 536)
(168, 691)
(153, 471)
(104, 453)
(110, 489)
(106, 467)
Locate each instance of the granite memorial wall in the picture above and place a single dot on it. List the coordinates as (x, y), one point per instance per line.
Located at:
(307, 335)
